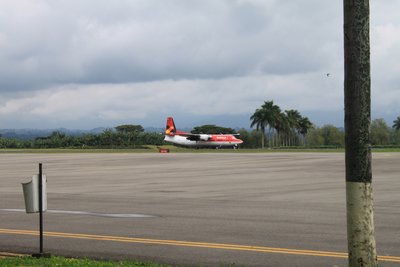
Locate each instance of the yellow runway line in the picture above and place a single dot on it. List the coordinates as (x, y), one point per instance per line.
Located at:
(260, 249)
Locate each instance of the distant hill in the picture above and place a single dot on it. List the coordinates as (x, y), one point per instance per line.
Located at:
(153, 130)
(29, 134)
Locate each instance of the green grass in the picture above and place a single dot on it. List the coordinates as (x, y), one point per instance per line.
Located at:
(386, 150)
(174, 149)
(68, 262)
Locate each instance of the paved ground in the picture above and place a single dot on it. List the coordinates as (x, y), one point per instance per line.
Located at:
(258, 204)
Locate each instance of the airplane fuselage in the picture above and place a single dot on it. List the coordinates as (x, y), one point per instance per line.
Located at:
(174, 136)
(213, 141)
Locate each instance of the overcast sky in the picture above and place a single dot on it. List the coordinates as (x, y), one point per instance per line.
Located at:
(83, 64)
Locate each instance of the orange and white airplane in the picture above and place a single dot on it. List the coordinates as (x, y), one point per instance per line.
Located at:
(199, 140)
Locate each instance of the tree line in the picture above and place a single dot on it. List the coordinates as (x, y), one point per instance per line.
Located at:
(275, 128)
(289, 128)
(123, 136)
(381, 135)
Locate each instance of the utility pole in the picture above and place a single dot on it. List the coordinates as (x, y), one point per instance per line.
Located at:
(357, 87)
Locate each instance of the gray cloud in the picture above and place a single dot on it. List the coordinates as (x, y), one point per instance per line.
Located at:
(46, 42)
(144, 59)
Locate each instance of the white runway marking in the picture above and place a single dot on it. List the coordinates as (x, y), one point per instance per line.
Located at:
(73, 212)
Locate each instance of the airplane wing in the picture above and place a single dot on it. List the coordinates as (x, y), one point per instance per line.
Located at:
(201, 137)
(198, 137)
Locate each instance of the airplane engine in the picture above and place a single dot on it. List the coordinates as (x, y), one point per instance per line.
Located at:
(204, 137)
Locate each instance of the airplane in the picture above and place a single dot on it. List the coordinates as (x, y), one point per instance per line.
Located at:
(217, 141)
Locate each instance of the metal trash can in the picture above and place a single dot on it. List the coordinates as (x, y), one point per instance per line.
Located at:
(31, 194)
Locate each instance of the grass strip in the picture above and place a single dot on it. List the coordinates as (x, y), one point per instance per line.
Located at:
(70, 262)
(154, 149)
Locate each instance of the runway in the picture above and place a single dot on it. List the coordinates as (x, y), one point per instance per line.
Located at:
(250, 209)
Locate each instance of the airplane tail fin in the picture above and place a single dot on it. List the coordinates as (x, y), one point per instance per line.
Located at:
(170, 129)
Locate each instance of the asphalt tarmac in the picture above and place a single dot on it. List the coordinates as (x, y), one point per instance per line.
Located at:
(195, 209)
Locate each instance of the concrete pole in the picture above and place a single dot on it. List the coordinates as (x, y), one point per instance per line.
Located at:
(357, 87)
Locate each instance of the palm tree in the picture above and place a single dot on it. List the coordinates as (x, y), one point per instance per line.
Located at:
(285, 124)
(258, 119)
(304, 126)
(396, 124)
(265, 117)
(282, 126)
(293, 117)
(271, 113)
